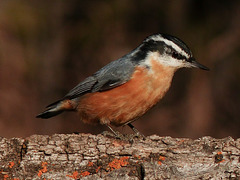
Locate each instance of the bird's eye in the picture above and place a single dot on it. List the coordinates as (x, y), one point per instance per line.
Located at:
(177, 55)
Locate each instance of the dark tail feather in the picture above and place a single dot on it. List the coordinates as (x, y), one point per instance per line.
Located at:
(57, 108)
(52, 110)
(48, 113)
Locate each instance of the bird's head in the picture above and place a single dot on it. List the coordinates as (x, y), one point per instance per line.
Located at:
(168, 50)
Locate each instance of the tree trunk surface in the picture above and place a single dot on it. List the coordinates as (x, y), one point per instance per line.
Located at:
(86, 156)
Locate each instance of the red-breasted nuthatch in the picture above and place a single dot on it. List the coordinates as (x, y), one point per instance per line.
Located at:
(128, 87)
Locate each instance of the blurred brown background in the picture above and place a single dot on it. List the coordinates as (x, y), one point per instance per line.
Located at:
(47, 47)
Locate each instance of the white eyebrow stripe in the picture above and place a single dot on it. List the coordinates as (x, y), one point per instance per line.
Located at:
(170, 43)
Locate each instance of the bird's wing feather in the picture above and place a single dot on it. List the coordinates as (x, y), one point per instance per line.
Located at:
(110, 76)
(82, 88)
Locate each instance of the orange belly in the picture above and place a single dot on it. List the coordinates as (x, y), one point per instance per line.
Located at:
(123, 104)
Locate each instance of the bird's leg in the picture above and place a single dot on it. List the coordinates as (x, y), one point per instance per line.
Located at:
(138, 134)
(114, 132)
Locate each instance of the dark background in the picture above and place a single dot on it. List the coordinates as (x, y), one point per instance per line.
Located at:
(47, 47)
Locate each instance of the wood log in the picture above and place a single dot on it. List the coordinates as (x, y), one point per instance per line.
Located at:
(86, 156)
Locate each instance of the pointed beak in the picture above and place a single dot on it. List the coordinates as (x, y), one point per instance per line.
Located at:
(196, 64)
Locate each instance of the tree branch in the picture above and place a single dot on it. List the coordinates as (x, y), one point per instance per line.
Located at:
(89, 156)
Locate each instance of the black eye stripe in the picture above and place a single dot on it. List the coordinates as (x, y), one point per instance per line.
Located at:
(177, 55)
(178, 42)
(152, 45)
(172, 52)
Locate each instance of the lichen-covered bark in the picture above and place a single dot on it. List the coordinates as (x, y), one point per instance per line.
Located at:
(87, 156)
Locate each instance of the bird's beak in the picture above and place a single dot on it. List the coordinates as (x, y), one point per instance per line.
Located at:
(196, 64)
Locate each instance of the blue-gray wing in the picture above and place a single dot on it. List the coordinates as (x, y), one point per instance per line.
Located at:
(110, 76)
(82, 88)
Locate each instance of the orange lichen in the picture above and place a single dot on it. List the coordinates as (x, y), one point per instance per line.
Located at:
(40, 173)
(90, 164)
(74, 175)
(85, 173)
(221, 161)
(161, 159)
(11, 164)
(98, 169)
(118, 163)
(138, 157)
(219, 157)
(43, 170)
(5, 176)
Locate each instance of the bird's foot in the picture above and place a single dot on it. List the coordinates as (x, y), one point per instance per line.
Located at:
(135, 137)
(126, 137)
(114, 134)
(139, 136)
(137, 133)
(131, 138)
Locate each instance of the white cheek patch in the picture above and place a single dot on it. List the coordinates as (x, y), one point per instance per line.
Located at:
(164, 60)
(172, 62)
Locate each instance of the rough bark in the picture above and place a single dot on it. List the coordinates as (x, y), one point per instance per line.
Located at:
(87, 156)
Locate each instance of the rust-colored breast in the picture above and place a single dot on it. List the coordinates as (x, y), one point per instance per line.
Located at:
(128, 101)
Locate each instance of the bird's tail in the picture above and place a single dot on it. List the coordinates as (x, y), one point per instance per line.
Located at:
(57, 108)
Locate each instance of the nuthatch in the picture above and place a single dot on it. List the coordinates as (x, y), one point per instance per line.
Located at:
(128, 87)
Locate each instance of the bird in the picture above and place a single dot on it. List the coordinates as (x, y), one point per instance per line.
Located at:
(126, 88)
